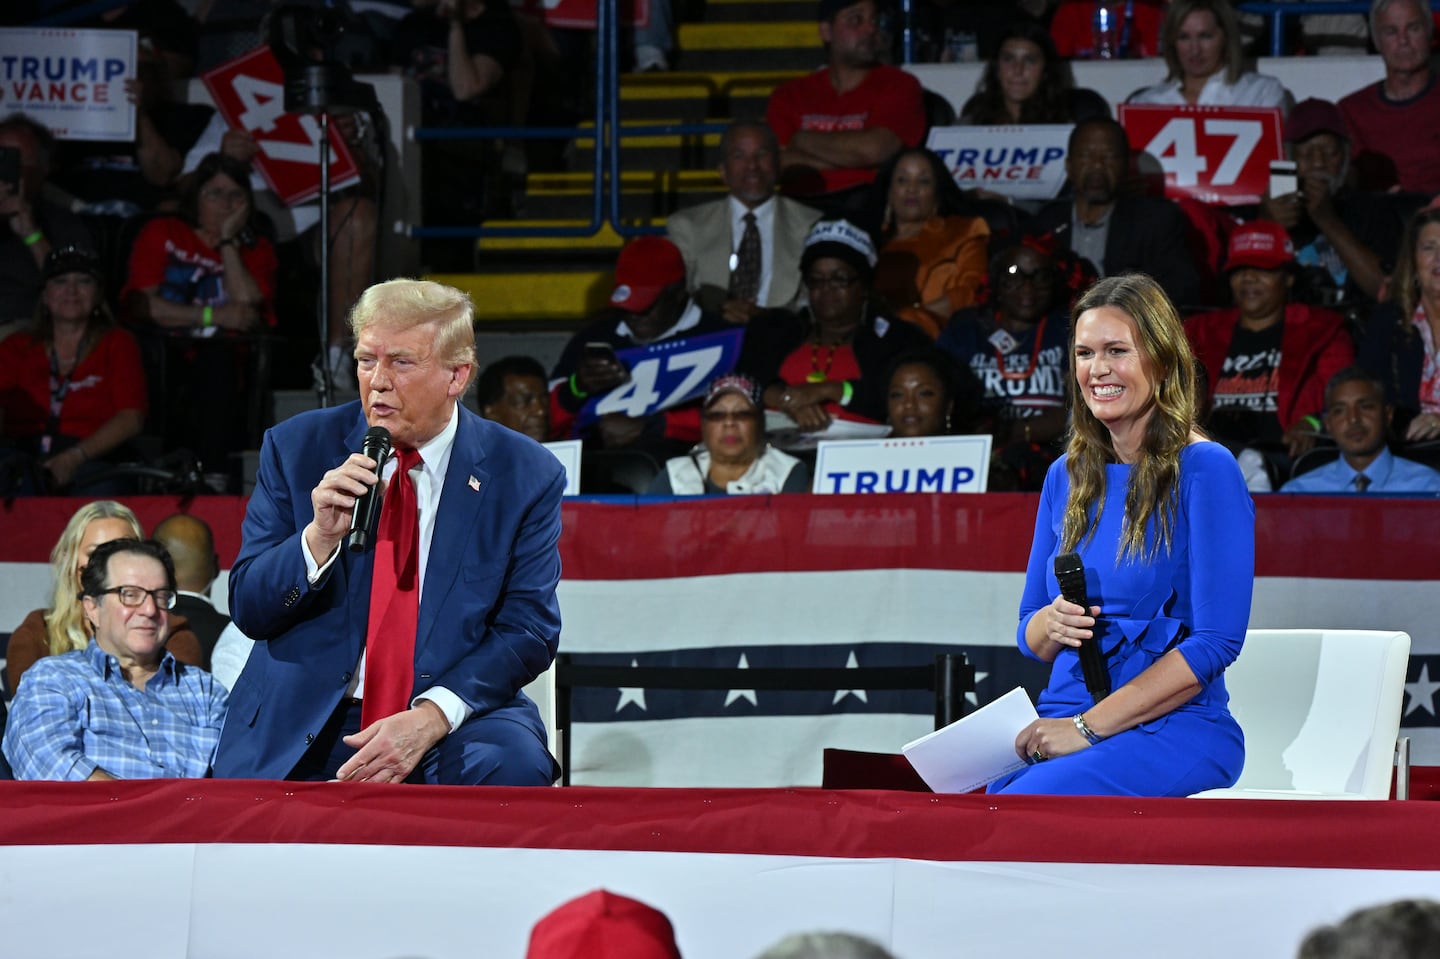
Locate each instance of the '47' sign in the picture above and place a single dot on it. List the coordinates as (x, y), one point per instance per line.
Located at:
(665, 374)
(1214, 154)
(249, 92)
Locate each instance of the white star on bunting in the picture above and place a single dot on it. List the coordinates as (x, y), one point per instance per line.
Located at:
(735, 694)
(860, 694)
(1421, 692)
(631, 694)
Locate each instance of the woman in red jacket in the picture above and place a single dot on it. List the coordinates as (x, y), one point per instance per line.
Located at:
(1267, 359)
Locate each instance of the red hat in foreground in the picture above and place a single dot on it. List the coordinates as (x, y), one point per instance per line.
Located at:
(646, 266)
(603, 925)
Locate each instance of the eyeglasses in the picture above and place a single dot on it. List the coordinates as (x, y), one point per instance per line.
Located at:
(839, 282)
(135, 596)
(729, 416)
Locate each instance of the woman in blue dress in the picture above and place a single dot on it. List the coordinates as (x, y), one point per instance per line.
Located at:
(1165, 528)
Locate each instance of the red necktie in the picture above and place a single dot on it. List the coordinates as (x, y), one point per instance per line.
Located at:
(394, 598)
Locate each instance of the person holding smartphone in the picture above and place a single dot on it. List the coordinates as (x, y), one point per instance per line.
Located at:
(649, 304)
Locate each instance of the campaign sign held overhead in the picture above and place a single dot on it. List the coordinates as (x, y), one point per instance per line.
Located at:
(71, 81)
(929, 464)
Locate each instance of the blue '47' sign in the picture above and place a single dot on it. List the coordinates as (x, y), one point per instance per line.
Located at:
(666, 374)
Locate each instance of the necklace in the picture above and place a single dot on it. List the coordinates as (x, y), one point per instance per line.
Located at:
(1001, 336)
(816, 374)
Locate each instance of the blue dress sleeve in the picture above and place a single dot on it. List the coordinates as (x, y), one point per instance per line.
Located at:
(1041, 588)
(1219, 515)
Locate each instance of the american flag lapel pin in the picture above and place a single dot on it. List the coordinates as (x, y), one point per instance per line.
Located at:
(474, 484)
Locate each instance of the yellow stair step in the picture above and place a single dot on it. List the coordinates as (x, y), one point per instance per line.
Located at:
(636, 180)
(499, 297)
(670, 86)
(749, 36)
(606, 239)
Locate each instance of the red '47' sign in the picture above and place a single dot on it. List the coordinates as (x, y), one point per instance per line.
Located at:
(249, 92)
(1214, 154)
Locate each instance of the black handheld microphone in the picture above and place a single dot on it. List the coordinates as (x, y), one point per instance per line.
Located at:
(375, 445)
(1071, 574)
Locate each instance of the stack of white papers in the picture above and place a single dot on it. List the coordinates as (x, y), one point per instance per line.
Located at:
(976, 749)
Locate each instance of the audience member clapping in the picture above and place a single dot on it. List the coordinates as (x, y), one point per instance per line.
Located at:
(77, 715)
(1267, 359)
(72, 389)
(1027, 82)
(1200, 40)
(603, 925)
(512, 391)
(932, 260)
(1399, 342)
(1342, 237)
(1358, 419)
(829, 362)
(733, 456)
(63, 627)
(1016, 346)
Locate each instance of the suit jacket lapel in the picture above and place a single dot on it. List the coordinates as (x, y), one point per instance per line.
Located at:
(466, 486)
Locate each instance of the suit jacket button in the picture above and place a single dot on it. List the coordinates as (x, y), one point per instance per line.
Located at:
(309, 738)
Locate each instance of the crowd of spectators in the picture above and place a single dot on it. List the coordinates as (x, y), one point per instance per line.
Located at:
(173, 250)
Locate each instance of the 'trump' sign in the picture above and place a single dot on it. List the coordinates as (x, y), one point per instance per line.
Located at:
(1024, 162)
(932, 464)
(71, 81)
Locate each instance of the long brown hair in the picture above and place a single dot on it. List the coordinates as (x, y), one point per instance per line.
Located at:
(1155, 478)
(1406, 281)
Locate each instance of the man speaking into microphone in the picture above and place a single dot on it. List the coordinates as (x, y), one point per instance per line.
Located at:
(397, 654)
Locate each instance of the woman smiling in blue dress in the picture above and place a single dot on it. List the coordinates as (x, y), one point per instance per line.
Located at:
(1165, 528)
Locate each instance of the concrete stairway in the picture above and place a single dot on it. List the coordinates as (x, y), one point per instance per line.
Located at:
(727, 67)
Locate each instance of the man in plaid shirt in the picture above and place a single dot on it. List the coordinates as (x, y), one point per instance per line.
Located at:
(123, 707)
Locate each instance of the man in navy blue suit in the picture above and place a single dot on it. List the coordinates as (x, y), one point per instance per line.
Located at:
(489, 525)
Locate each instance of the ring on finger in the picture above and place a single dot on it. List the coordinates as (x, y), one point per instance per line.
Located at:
(1039, 756)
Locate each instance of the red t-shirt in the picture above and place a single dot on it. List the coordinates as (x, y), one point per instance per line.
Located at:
(887, 97)
(170, 257)
(1395, 141)
(108, 379)
(832, 364)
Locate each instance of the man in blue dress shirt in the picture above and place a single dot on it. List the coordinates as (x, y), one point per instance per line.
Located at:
(123, 707)
(1358, 418)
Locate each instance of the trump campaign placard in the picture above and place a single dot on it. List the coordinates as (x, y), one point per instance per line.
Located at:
(927, 464)
(568, 453)
(1023, 162)
(71, 81)
(666, 373)
(249, 92)
(1213, 154)
(580, 14)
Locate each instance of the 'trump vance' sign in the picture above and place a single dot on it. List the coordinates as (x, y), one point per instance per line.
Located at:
(1023, 162)
(932, 464)
(71, 81)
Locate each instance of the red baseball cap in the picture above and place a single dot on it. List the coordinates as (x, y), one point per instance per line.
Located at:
(1259, 243)
(646, 266)
(603, 925)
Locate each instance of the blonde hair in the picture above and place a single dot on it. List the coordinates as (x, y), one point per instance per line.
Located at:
(1224, 19)
(65, 622)
(1155, 478)
(403, 304)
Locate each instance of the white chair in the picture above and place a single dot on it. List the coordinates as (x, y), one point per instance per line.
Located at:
(1321, 712)
(542, 690)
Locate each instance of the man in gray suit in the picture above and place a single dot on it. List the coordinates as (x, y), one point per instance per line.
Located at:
(742, 253)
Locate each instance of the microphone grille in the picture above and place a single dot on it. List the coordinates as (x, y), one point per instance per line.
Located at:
(377, 437)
